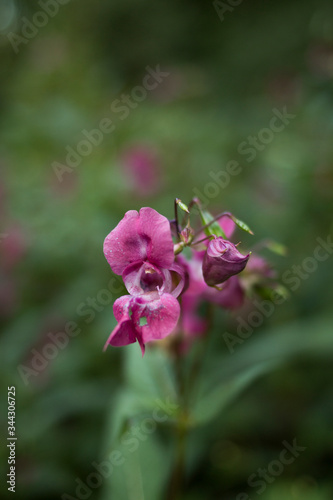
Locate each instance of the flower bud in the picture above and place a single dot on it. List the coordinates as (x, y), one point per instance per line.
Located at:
(187, 235)
(221, 261)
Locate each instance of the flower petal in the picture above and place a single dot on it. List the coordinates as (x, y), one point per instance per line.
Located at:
(123, 334)
(156, 228)
(124, 244)
(121, 308)
(221, 261)
(139, 237)
(192, 323)
(183, 282)
(142, 278)
(161, 315)
(231, 295)
(227, 225)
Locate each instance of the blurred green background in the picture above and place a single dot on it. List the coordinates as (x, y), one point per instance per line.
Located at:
(227, 72)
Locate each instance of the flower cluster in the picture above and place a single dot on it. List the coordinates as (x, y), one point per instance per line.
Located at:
(156, 271)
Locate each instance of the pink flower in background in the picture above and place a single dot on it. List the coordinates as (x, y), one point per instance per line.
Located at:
(258, 265)
(8, 295)
(258, 272)
(142, 168)
(13, 246)
(230, 296)
(192, 323)
(228, 226)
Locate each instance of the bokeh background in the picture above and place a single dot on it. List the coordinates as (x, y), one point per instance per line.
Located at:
(227, 72)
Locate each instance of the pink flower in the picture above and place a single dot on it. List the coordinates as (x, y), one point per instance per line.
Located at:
(144, 318)
(142, 169)
(192, 323)
(227, 225)
(140, 237)
(140, 248)
(221, 261)
(259, 266)
(230, 296)
(13, 247)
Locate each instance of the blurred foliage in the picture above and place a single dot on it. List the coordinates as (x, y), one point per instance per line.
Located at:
(225, 80)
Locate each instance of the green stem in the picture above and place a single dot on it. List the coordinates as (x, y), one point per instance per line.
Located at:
(184, 391)
(177, 477)
(176, 217)
(202, 351)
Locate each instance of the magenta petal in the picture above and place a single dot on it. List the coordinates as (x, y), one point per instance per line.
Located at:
(161, 314)
(127, 331)
(141, 344)
(124, 244)
(231, 296)
(181, 271)
(132, 277)
(144, 277)
(156, 228)
(137, 238)
(192, 323)
(123, 334)
(227, 225)
(121, 308)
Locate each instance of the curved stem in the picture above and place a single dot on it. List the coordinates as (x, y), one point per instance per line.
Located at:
(219, 216)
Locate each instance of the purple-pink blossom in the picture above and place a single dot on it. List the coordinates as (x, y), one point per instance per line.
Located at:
(221, 261)
(140, 237)
(140, 248)
(143, 318)
(147, 250)
(142, 168)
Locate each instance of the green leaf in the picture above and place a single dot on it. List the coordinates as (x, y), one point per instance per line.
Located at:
(226, 376)
(276, 247)
(241, 224)
(212, 402)
(149, 386)
(139, 475)
(214, 228)
(151, 375)
(145, 404)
